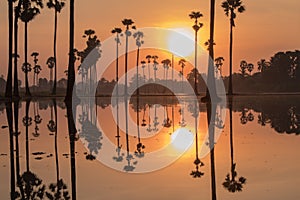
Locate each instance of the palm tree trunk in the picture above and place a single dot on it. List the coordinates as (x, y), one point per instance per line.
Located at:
(230, 89)
(71, 70)
(27, 93)
(211, 78)
(195, 72)
(137, 71)
(16, 84)
(126, 64)
(8, 90)
(54, 52)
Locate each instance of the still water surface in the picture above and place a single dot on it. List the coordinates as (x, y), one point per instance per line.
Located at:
(256, 156)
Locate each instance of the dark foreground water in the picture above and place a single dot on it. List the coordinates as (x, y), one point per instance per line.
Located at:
(256, 153)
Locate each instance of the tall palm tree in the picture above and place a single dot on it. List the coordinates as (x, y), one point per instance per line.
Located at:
(138, 40)
(71, 69)
(143, 67)
(117, 31)
(148, 57)
(8, 90)
(243, 66)
(196, 27)
(57, 6)
(36, 67)
(166, 65)
(29, 9)
(16, 20)
(155, 63)
(219, 64)
(182, 65)
(127, 23)
(51, 63)
(230, 7)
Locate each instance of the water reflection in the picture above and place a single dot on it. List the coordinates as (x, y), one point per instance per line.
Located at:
(151, 115)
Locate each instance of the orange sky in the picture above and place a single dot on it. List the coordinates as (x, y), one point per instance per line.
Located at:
(265, 28)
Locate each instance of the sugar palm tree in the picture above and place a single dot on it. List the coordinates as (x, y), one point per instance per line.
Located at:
(57, 6)
(230, 7)
(263, 65)
(29, 9)
(128, 23)
(208, 45)
(182, 65)
(16, 20)
(250, 68)
(36, 67)
(51, 63)
(155, 63)
(243, 66)
(8, 90)
(138, 40)
(166, 65)
(26, 68)
(195, 16)
(148, 57)
(117, 31)
(143, 67)
(219, 64)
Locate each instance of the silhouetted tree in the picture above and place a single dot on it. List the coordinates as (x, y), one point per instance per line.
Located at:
(243, 68)
(57, 6)
(36, 68)
(29, 9)
(8, 90)
(196, 27)
(230, 7)
(219, 64)
(138, 40)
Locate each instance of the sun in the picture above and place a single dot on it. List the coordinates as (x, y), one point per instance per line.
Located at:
(182, 139)
(180, 41)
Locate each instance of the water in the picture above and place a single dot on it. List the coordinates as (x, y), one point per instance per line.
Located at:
(261, 151)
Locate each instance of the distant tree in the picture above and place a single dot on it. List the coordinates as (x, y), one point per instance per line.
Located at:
(243, 68)
(250, 68)
(219, 64)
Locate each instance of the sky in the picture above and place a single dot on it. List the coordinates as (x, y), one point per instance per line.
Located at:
(265, 28)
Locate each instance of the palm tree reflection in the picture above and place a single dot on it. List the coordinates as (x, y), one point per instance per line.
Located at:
(231, 183)
(193, 108)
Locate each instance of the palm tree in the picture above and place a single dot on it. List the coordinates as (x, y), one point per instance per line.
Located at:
(51, 63)
(250, 68)
(29, 9)
(138, 37)
(17, 16)
(71, 69)
(263, 65)
(36, 69)
(155, 63)
(57, 6)
(182, 65)
(26, 68)
(8, 90)
(166, 65)
(117, 31)
(196, 27)
(143, 67)
(243, 66)
(219, 64)
(148, 57)
(127, 23)
(230, 7)
(207, 44)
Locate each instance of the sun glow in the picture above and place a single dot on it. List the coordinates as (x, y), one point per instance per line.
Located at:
(181, 42)
(182, 139)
